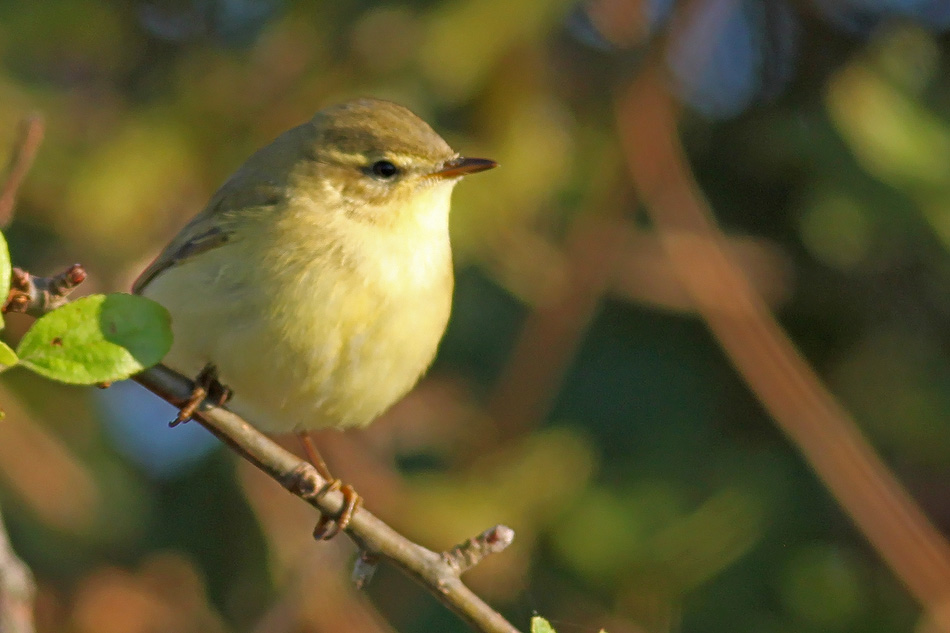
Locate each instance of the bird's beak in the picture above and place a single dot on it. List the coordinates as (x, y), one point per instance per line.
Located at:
(458, 167)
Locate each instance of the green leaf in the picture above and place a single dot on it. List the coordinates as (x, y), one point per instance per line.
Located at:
(5, 271)
(540, 625)
(8, 357)
(100, 338)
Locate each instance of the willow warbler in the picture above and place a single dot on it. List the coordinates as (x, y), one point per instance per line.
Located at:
(318, 280)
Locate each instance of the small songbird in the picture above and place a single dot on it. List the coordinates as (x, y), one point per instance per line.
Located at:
(317, 282)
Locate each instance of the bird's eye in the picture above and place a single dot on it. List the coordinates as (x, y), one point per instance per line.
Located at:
(384, 169)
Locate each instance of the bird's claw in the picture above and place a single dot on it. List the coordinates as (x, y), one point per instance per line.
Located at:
(207, 387)
(328, 527)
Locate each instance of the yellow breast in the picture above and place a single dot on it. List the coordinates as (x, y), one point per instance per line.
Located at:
(334, 321)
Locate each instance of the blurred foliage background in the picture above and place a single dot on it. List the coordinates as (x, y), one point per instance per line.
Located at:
(577, 397)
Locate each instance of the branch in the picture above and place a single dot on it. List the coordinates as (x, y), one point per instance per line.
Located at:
(438, 572)
(373, 537)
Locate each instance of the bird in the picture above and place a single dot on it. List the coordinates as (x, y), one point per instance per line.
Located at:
(313, 289)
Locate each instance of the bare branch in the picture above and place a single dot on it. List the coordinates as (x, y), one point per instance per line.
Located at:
(301, 479)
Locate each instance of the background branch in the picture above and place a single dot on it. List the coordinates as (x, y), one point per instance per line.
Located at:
(21, 159)
(802, 407)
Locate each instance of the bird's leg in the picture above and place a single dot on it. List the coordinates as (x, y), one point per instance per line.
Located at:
(207, 387)
(328, 526)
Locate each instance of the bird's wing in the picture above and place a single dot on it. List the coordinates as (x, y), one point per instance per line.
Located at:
(188, 244)
(215, 226)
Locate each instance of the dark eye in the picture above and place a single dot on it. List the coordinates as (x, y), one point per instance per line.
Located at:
(384, 169)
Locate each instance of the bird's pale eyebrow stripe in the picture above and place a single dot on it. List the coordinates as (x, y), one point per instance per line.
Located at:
(362, 160)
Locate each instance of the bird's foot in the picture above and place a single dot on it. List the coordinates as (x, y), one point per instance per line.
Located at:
(328, 526)
(206, 387)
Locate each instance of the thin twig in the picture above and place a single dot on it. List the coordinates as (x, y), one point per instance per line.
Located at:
(466, 555)
(300, 478)
(38, 295)
(21, 159)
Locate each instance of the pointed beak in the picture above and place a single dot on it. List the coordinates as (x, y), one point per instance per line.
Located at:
(458, 167)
